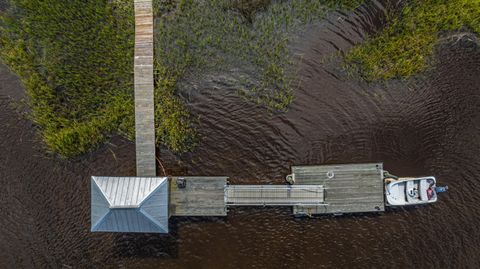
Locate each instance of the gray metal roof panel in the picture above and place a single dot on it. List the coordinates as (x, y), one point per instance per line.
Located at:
(140, 204)
(127, 191)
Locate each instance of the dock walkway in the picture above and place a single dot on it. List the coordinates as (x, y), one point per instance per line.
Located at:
(201, 196)
(144, 95)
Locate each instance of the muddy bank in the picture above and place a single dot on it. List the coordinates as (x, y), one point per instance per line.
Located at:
(429, 125)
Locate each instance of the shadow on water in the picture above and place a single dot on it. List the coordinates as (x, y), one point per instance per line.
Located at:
(146, 246)
(428, 125)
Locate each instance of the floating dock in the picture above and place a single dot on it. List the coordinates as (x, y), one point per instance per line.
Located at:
(349, 188)
(122, 204)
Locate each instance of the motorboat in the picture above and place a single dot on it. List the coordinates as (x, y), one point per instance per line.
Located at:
(411, 190)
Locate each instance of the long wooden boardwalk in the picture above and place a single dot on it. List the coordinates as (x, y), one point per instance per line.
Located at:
(144, 95)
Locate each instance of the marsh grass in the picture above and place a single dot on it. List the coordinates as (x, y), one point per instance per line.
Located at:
(196, 36)
(248, 8)
(406, 45)
(75, 59)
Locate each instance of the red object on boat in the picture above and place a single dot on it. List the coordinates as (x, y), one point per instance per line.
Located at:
(429, 193)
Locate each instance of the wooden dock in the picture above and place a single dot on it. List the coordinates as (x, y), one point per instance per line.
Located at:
(144, 94)
(201, 196)
(321, 189)
(349, 188)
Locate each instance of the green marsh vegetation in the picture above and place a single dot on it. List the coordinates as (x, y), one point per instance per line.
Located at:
(75, 59)
(406, 45)
(195, 36)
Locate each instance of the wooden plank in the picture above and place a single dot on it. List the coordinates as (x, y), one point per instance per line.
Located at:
(343, 208)
(202, 196)
(349, 188)
(143, 85)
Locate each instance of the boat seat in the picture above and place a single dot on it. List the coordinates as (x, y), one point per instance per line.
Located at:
(424, 185)
(409, 186)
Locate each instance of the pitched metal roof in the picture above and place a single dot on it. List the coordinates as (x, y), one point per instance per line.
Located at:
(129, 204)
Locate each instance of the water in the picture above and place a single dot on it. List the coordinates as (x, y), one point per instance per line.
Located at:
(425, 126)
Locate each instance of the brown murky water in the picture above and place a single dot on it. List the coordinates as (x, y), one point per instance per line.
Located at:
(426, 126)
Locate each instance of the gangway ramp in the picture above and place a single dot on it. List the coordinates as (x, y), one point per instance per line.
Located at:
(274, 195)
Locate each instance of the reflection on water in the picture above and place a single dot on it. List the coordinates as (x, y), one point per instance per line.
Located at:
(426, 126)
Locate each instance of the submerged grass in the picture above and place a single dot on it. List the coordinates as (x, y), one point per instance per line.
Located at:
(407, 43)
(195, 36)
(75, 59)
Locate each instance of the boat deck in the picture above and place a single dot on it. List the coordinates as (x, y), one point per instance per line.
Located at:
(349, 188)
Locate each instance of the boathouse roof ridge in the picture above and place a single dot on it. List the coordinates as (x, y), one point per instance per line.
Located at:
(124, 192)
(129, 204)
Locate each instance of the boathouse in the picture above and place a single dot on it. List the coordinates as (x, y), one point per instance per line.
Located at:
(129, 204)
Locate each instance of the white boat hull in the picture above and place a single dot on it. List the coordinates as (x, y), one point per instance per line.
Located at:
(410, 191)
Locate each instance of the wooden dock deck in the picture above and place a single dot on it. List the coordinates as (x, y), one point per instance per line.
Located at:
(201, 196)
(349, 188)
(321, 189)
(144, 95)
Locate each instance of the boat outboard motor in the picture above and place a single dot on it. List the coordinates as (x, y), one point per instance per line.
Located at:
(441, 189)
